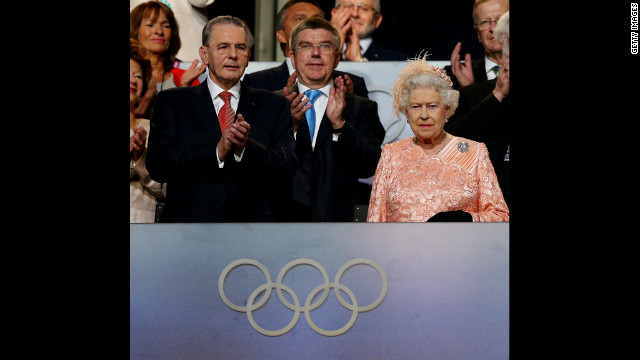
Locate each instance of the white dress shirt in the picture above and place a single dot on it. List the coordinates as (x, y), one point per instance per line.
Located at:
(488, 65)
(320, 106)
(215, 91)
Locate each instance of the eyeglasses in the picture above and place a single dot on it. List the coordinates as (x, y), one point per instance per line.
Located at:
(485, 24)
(306, 48)
(363, 7)
(224, 48)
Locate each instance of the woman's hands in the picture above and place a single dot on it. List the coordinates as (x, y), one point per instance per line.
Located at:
(137, 143)
(192, 73)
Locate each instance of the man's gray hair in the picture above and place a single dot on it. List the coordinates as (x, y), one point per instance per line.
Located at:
(226, 19)
(314, 22)
(376, 5)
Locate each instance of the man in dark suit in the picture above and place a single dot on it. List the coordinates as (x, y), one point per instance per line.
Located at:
(485, 16)
(338, 134)
(219, 166)
(484, 113)
(276, 78)
(356, 24)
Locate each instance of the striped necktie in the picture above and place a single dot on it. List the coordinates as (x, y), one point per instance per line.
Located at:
(496, 70)
(226, 113)
(311, 113)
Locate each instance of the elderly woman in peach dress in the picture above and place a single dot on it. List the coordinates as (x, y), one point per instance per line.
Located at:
(433, 176)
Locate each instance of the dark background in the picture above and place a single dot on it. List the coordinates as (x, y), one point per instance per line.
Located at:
(64, 223)
(408, 26)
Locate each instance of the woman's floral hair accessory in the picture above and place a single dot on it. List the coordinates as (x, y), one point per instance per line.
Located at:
(414, 67)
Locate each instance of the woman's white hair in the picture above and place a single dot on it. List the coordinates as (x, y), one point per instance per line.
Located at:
(419, 74)
(501, 32)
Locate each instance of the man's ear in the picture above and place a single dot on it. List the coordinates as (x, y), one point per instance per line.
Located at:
(280, 37)
(203, 54)
(378, 20)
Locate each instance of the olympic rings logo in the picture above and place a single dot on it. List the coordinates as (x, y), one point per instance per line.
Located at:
(308, 305)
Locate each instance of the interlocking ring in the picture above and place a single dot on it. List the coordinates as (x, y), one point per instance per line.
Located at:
(308, 305)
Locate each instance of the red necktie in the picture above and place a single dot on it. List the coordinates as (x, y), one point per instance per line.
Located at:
(226, 114)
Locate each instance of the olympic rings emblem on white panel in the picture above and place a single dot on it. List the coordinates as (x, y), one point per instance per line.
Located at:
(308, 305)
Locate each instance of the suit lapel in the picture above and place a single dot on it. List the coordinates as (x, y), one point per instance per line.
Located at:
(283, 74)
(479, 72)
(323, 131)
(371, 52)
(303, 137)
(203, 104)
(247, 104)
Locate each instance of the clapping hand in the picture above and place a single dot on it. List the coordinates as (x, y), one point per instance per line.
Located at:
(341, 20)
(353, 51)
(299, 105)
(234, 138)
(336, 103)
(501, 90)
(192, 73)
(462, 72)
(348, 83)
(292, 79)
(137, 143)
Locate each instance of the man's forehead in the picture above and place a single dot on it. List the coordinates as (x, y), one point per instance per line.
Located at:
(491, 7)
(314, 34)
(302, 9)
(229, 32)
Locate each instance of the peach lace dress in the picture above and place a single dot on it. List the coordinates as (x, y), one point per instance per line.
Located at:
(411, 186)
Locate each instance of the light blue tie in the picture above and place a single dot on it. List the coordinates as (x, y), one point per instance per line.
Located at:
(311, 113)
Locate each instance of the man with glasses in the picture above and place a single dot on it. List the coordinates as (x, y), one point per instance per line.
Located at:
(485, 112)
(221, 146)
(485, 15)
(276, 78)
(356, 20)
(338, 134)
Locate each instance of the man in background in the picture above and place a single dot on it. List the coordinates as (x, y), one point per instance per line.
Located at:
(276, 78)
(356, 20)
(485, 16)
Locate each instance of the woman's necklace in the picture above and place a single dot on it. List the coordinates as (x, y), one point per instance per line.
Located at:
(415, 141)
